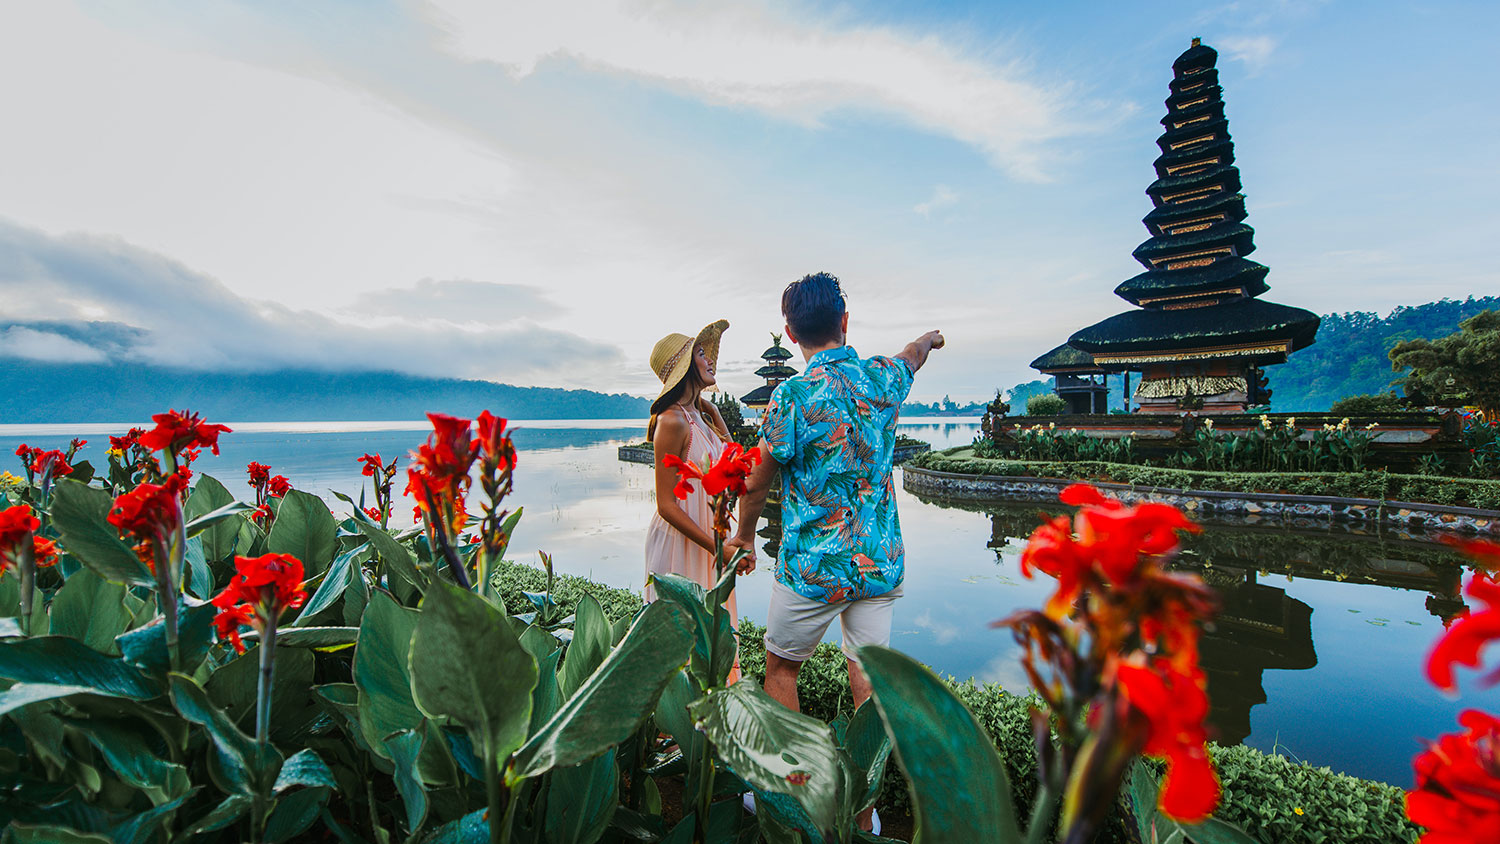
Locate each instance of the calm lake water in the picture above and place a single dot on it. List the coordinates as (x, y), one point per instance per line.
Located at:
(1317, 655)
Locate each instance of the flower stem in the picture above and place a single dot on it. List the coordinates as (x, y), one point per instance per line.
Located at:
(166, 598)
(705, 792)
(27, 569)
(263, 686)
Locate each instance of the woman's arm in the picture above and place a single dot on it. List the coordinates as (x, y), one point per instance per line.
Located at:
(672, 438)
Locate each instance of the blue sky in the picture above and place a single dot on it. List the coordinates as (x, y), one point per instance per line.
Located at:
(534, 193)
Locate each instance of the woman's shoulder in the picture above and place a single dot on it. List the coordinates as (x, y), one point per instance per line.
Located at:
(671, 430)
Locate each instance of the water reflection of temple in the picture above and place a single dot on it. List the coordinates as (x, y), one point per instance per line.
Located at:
(1260, 627)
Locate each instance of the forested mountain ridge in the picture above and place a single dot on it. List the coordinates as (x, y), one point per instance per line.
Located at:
(1350, 356)
(32, 392)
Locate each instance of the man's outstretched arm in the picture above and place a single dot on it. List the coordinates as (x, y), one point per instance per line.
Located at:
(915, 353)
(757, 486)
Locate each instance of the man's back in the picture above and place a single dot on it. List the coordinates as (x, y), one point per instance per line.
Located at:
(833, 430)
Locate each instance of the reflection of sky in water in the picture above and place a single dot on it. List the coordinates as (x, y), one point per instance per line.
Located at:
(1360, 710)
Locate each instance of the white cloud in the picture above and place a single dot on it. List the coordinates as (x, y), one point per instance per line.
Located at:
(752, 55)
(1254, 50)
(942, 197)
(19, 341)
(183, 318)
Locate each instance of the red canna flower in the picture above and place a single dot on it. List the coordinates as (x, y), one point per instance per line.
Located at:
(17, 525)
(373, 513)
(125, 443)
(493, 443)
(279, 486)
(372, 463)
(176, 430)
(439, 473)
(260, 474)
(52, 462)
(1457, 793)
(77, 444)
(730, 470)
(150, 511)
(1462, 643)
(44, 552)
(1175, 704)
(261, 590)
(686, 472)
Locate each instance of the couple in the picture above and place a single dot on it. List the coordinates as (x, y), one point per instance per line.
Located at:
(831, 432)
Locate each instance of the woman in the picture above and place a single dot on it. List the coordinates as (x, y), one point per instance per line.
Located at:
(680, 539)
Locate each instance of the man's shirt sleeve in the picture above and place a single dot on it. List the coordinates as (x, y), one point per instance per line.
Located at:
(780, 427)
(897, 374)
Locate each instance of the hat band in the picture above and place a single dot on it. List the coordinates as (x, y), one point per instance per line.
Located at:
(672, 361)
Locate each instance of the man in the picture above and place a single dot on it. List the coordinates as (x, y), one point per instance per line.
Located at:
(831, 431)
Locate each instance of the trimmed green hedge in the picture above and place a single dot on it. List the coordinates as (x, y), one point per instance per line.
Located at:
(1262, 792)
(1387, 486)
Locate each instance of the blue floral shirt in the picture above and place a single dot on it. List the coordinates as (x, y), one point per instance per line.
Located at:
(833, 430)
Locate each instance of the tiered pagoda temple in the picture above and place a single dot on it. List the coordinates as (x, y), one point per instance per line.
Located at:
(775, 371)
(1199, 329)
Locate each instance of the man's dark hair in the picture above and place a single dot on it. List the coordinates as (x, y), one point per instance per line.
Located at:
(813, 307)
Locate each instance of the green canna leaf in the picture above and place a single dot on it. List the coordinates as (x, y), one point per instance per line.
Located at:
(80, 515)
(305, 529)
(958, 785)
(581, 800)
(405, 749)
(590, 645)
(615, 699)
(91, 609)
(68, 662)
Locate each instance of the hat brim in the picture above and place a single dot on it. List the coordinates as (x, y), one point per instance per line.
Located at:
(708, 338)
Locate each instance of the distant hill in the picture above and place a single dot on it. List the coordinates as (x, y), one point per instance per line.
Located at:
(1349, 357)
(47, 392)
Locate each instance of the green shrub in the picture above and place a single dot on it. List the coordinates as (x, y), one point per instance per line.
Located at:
(1377, 485)
(1047, 404)
(1263, 793)
(1368, 404)
(514, 578)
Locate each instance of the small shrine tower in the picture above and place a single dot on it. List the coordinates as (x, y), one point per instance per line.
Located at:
(775, 371)
(1080, 382)
(1199, 329)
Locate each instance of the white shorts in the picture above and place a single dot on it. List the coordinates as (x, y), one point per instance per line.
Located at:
(796, 624)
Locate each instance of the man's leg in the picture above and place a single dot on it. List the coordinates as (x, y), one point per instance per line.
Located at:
(794, 627)
(866, 622)
(781, 680)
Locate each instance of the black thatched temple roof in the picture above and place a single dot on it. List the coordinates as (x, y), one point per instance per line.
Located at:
(758, 397)
(1066, 358)
(1241, 322)
(776, 370)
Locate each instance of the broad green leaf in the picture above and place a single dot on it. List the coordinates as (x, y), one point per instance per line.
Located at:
(146, 827)
(1214, 831)
(398, 561)
(356, 596)
(198, 574)
(90, 609)
(133, 758)
(616, 698)
(216, 516)
(581, 800)
(776, 749)
(332, 587)
(303, 769)
(405, 748)
(869, 748)
(546, 697)
(146, 647)
(691, 597)
(381, 671)
(469, 829)
(232, 687)
(317, 638)
(590, 645)
(673, 718)
(232, 809)
(68, 662)
(305, 529)
(221, 540)
(80, 515)
(935, 739)
(25, 694)
(251, 766)
(295, 813)
(491, 698)
(1157, 828)
(22, 834)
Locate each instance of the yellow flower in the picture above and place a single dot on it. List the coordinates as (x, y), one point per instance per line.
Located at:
(115, 452)
(1291, 421)
(1298, 810)
(1372, 426)
(1209, 424)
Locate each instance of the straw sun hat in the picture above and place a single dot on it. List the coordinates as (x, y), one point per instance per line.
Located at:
(672, 357)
